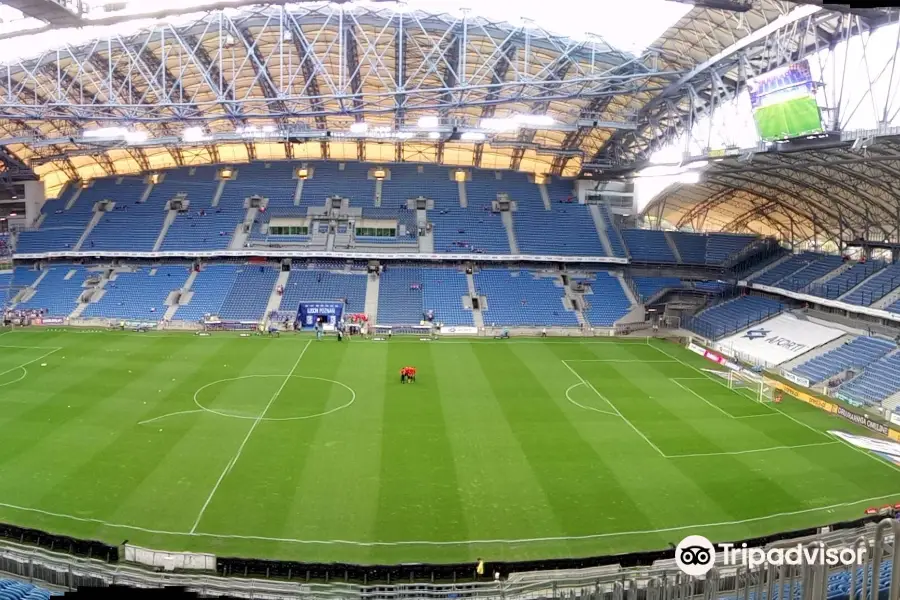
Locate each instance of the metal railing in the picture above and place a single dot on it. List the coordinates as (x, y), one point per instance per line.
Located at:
(661, 581)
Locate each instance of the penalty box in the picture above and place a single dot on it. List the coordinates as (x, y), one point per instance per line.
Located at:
(680, 413)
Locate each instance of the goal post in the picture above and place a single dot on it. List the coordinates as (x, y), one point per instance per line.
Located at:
(754, 386)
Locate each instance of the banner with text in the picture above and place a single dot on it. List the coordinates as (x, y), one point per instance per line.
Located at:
(309, 312)
(777, 340)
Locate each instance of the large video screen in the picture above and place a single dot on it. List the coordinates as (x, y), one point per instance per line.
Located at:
(784, 103)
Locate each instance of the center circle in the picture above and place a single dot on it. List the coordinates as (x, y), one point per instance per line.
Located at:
(325, 409)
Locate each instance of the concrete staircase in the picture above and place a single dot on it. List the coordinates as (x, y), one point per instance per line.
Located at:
(463, 197)
(379, 184)
(373, 285)
(673, 246)
(98, 214)
(170, 218)
(769, 266)
(638, 313)
(146, 194)
(545, 195)
(507, 218)
(242, 231)
(574, 299)
(891, 297)
(600, 226)
(275, 298)
(74, 198)
(426, 239)
(218, 194)
(298, 192)
(477, 315)
(859, 285)
(831, 274)
(31, 290)
(891, 402)
(89, 296)
(179, 298)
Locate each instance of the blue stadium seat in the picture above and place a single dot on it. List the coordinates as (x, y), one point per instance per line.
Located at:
(139, 295)
(691, 246)
(613, 233)
(880, 380)
(321, 285)
(876, 287)
(58, 291)
(648, 286)
(209, 289)
(844, 282)
(607, 303)
(858, 353)
(522, 298)
(818, 266)
(726, 318)
(721, 246)
(648, 245)
(406, 293)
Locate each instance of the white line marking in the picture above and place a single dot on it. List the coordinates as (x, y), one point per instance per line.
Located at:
(24, 375)
(180, 412)
(771, 408)
(6, 333)
(867, 453)
(687, 389)
(752, 451)
(618, 360)
(33, 347)
(247, 437)
(454, 542)
(613, 406)
(23, 365)
(579, 405)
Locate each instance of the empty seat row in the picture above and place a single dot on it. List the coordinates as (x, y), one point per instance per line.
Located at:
(857, 353)
(726, 318)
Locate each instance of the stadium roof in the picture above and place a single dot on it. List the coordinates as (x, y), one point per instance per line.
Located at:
(230, 81)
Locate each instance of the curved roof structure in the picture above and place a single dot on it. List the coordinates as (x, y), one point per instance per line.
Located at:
(291, 81)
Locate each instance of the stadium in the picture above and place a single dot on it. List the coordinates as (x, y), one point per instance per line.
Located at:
(374, 299)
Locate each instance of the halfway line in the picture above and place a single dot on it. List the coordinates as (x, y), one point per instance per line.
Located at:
(262, 415)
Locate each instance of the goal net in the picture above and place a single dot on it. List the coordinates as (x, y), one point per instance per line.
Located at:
(751, 385)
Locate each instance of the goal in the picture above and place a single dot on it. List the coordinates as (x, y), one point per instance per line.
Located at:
(751, 385)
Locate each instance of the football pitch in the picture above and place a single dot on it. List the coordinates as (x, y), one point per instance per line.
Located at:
(791, 118)
(297, 449)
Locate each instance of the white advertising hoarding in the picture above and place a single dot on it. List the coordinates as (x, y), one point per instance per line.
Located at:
(777, 340)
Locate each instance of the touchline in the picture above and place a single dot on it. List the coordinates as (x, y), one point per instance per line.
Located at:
(793, 555)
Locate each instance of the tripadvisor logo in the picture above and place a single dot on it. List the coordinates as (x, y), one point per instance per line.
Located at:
(695, 555)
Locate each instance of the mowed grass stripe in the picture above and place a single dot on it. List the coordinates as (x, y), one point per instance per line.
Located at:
(418, 493)
(501, 492)
(574, 477)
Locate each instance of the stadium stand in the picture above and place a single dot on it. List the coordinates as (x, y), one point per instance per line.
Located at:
(877, 382)
(721, 246)
(131, 224)
(522, 298)
(612, 232)
(61, 229)
(842, 283)
(790, 266)
(209, 289)
(566, 228)
(249, 294)
(875, 288)
(691, 247)
(400, 296)
(443, 293)
(140, 295)
(203, 226)
(648, 286)
(471, 229)
(858, 353)
(16, 590)
(607, 303)
(321, 285)
(648, 245)
(818, 266)
(406, 293)
(58, 291)
(724, 319)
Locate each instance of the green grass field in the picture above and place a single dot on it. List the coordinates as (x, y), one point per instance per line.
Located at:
(792, 118)
(295, 449)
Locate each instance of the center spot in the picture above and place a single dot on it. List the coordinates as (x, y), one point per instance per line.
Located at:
(300, 397)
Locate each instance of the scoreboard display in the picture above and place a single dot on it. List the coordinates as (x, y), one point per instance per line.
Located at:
(784, 103)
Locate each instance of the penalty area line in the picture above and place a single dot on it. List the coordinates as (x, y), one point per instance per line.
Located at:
(505, 541)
